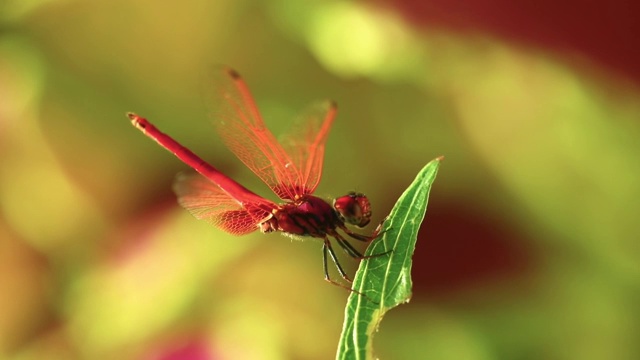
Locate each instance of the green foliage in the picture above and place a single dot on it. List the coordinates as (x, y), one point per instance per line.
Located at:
(384, 282)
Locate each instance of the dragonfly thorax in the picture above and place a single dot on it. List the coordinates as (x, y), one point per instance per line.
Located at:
(308, 216)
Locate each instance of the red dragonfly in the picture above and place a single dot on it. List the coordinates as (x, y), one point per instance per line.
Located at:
(291, 168)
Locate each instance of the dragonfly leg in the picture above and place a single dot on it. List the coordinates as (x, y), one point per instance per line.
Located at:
(357, 236)
(326, 247)
(361, 237)
(378, 231)
(348, 248)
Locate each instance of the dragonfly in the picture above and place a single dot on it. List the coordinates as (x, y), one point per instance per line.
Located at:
(291, 168)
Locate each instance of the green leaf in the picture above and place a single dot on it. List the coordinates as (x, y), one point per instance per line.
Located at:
(384, 282)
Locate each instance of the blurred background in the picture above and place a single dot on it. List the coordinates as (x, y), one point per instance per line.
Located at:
(530, 246)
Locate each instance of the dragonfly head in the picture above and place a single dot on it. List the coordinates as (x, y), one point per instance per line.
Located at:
(353, 208)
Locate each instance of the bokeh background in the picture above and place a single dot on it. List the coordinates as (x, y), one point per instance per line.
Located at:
(531, 244)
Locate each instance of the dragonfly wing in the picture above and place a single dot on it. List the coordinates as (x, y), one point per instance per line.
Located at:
(305, 141)
(206, 201)
(242, 128)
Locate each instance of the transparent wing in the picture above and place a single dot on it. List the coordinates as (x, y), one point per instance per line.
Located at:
(305, 140)
(206, 201)
(242, 128)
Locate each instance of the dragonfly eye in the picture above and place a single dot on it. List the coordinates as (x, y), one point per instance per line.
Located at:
(353, 208)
